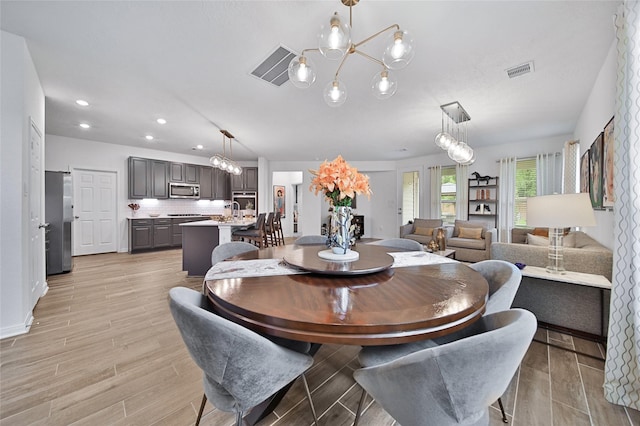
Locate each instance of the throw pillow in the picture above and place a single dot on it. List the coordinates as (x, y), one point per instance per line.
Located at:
(423, 231)
(542, 232)
(537, 240)
(474, 233)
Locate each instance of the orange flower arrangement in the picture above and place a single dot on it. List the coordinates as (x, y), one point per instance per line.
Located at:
(339, 182)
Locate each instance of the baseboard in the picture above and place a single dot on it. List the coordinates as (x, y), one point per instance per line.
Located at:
(17, 329)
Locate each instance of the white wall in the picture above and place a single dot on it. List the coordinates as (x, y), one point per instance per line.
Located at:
(22, 98)
(597, 112)
(64, 153)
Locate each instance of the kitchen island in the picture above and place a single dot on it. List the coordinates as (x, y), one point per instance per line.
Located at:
(200, 238)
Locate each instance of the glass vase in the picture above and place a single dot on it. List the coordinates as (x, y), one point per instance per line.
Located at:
(341, 230)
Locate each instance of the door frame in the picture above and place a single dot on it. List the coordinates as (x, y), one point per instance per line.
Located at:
(421, 190)
(38, 286)
(118, 215)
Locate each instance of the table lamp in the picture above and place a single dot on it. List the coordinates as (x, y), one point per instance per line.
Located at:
(557, 212)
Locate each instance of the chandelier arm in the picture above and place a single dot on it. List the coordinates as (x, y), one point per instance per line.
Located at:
(341, 64)
(396, 26)
(371, 58)
(315, 49)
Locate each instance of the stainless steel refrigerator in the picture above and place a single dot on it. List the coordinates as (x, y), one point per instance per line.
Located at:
(58, 213)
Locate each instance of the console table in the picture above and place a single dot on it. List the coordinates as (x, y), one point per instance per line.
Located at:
(573, 301)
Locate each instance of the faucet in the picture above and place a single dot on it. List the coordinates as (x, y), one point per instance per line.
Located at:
(238, 204)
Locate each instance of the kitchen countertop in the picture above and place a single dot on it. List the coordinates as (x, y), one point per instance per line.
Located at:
(164, 216)
(219, 224)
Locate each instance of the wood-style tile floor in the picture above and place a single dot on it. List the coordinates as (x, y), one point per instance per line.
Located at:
(104, 350)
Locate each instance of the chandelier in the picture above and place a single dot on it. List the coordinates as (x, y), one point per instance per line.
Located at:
(453, 137)
(221, 161)
(334, 42)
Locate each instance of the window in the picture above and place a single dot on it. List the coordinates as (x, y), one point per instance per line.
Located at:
(526, 186)
(448, 195)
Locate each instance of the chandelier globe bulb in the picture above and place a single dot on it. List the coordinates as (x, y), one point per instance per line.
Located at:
(384, 85)
(302, 72)
(334, 38)
(399, 51)
(335, 93)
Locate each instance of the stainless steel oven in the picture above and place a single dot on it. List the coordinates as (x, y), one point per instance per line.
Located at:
(247, 200)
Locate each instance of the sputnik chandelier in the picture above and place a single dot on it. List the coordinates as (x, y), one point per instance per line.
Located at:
(334, 42)
(453, 137)
(221, 161)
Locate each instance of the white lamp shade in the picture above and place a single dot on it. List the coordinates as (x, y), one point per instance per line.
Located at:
(560, 211)
(400, 50)
(301, 72)
(384, 85)
(334, 38)
(335, 93)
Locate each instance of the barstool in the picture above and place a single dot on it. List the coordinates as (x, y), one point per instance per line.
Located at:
(270, 230)
(256, 235)
(277, 224)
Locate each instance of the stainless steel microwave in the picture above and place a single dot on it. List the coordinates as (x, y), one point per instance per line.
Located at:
(184, 190)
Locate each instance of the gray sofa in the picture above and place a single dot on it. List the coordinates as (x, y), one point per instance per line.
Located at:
(417, 230)
(471, 249)
(571, 306)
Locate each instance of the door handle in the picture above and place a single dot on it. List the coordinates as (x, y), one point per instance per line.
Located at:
(76, 217)
(43, 225)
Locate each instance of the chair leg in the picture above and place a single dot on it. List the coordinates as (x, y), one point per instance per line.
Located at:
(239, 418)
(504, 415)
(204, 401)
(306, 388)
(360, 404)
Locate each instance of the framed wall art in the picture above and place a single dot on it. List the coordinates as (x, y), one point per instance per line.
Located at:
(279, 201)
(595, 172)
(608, 196)
(584, 172)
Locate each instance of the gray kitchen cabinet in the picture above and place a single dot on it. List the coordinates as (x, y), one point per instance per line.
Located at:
(247, 181)
(206, 183)
(162, 233)
(221, 185)
(140, 234)
(148, 178)
(182, 172)
(139, 178)
(177, 229)
(159, 181)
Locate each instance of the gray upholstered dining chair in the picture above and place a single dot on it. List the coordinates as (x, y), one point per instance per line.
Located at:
(399, 243)
(241, 368)
(454, 383)
(233, 248)
(504, 280)
(307, 240)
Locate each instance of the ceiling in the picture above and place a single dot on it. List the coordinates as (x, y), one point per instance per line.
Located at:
(190, 62)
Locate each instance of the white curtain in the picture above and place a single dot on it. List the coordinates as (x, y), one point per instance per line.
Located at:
(570, 164)
(462, 192)
(549, 174)
(506, 198)
(622, 365)
(435, 176)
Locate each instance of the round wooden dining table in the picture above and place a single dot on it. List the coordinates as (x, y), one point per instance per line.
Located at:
(349, 304)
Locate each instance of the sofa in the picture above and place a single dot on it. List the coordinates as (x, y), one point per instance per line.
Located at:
(570, 306)
(471, 240)
(421, 230)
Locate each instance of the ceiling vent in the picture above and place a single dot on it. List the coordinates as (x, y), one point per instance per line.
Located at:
(274, 68)
(520, 70)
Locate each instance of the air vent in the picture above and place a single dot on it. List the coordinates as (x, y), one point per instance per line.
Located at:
(274, 68)
(520, 70)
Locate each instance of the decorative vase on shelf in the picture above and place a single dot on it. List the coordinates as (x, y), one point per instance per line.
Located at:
(341, 230)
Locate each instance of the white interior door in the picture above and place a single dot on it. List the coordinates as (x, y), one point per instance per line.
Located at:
(37, 281)
(408, 195)
(95, 215)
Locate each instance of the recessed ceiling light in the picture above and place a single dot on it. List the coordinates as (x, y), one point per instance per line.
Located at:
(199, 146)
(82, 102)
(149, 137)
(161, 121)
(84, 125)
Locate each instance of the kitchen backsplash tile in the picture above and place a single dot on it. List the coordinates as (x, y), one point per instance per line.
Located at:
(164, 207)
